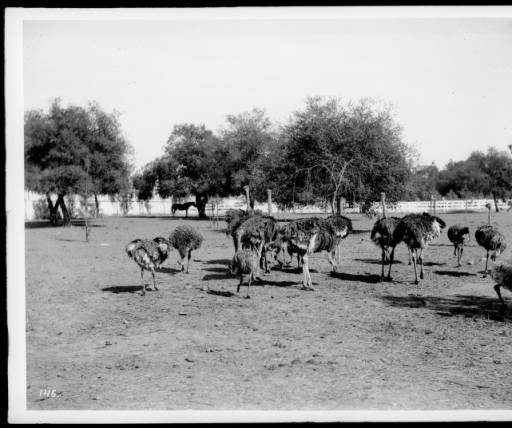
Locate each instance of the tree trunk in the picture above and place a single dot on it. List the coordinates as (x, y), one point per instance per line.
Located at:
(495, 202)
(339, 209)
(52, 208)
(201, 201)
(97, 212)
(65, 213)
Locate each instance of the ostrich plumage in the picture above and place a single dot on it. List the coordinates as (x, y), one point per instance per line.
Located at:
(458, 235)
(258, 233)
(382, 235)
(416, 231)
(502, 274)
(245, 262)
(185, 239)
(148, 254)
(492, 240)
(312, 235)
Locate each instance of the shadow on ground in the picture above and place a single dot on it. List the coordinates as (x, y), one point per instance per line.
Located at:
(467, 306)
(123, 288)
(217, 262)
(453, 273)
(367, 278)
(167, 270)
(376, 262)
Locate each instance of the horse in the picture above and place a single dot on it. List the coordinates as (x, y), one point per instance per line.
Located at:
(182, 207)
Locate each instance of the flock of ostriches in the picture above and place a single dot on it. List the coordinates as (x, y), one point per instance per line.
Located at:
(257, 238)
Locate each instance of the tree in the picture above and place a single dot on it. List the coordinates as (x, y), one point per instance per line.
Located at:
(331, 149)
(195, 162)
(248, 138)
(422, 182)
(481, 174)
(69, 148)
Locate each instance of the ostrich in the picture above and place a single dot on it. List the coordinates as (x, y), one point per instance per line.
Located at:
(312, 235)
(185, 239)
(416, 231)
(491, 239)
(458, 236)
(502, 274)
(383, 235)
(148, 254)
(259, 233)
(182, 207)
(245, 261)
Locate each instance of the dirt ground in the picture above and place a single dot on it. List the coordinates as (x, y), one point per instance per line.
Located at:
(353, 343)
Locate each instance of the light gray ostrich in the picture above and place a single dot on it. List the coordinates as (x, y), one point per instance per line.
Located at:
(502, 274)
(491, 239)
(458, 235)
(259, 233)
(245, 262)
(185, 239)
(416, 231)
(148, 254)
(312, 235)
(382, 235)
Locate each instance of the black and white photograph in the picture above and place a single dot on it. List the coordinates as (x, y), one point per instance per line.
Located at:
(256, 214)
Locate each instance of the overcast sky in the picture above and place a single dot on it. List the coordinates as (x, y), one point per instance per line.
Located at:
(450, 80)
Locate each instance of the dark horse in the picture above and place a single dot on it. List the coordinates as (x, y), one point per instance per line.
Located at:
(182, 207)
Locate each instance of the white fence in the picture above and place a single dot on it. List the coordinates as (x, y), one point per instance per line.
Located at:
(35, 203)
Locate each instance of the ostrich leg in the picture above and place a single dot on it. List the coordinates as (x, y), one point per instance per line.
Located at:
(497, 289)
(249, 285)
(420, 259)
(331, 256)
(188, 258)
(240, 283)
(306, 283)
(142, 278)
(391, 258)
(413, 256)
(461, 250)
(383, 260)
(486, 262)
(154, 280)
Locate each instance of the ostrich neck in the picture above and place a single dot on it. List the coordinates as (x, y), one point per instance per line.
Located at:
(489, 216)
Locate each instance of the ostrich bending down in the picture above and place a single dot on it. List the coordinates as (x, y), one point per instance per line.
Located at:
(148, 254)
(258, 233)
(182, 207)
(458, 236)
(416, 231)
(312, 235)
(185, 239)
(491, 239)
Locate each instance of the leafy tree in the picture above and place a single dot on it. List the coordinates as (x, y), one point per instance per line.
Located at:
(248, 138)
(330, 150)
(422, 183)
(482, 174)
(70, 150)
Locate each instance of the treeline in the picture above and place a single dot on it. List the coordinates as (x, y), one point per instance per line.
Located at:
(327, 151)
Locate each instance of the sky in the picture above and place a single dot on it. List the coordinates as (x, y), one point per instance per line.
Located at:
(449, 79)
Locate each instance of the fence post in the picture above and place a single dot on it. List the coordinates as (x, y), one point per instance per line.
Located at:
(246, 188)
(269, 195)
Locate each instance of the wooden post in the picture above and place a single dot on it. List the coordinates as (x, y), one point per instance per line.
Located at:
(433, 200)
(383, 202)
(269, 196)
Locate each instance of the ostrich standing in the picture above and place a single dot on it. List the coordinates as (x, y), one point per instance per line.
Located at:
(311, 235)
(491, 239)
(148, 254)
(416, 231)
(185, 239)
(458, 236)
(383, 235)
(502, 274)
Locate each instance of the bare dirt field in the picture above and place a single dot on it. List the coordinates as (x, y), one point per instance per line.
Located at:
(353, 343)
